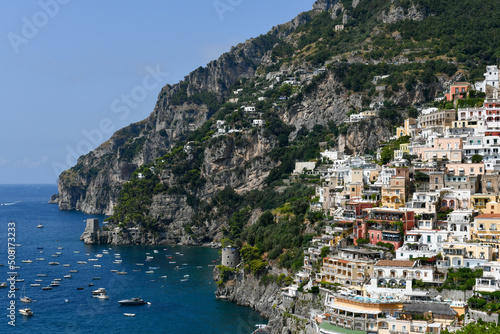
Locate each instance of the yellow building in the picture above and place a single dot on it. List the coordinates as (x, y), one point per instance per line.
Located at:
(486, 228)
(408, 128)
(349, 273)
(394, 195)
(461, 254)
(479, 201)
(403, 148)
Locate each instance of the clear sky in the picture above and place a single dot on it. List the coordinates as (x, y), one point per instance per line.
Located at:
(74, 71)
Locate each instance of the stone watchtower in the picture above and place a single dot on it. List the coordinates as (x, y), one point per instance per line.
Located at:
(92, 225)
(230, 257)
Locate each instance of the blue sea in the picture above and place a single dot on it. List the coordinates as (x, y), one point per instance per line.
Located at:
(181, 302)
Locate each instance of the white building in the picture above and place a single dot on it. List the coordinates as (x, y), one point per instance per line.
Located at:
(459, 224)
(490, 79)
(332, 155)
(258, 122)
(249, 109)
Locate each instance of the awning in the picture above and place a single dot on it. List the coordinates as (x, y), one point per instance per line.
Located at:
(352, 309)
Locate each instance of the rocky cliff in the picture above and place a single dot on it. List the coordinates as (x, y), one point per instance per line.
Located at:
(286, 315)
(319, 54)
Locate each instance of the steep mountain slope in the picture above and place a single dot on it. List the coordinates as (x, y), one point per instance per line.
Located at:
(166, 174)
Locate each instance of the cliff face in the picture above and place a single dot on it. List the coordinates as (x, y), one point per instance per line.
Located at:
(285, 314)
(186, 113)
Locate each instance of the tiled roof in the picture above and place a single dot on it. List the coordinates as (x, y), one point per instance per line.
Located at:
(395, 263)
(488, 215)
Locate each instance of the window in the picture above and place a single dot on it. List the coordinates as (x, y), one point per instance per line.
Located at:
(428, 238)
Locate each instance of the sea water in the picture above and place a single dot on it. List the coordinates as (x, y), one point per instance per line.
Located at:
(181, 294)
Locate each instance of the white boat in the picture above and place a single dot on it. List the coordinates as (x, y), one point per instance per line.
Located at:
(73, 271)
(76, 252)
(25, 299)
(47, 288)
(42, 275)
(186, 276)
(155, 251)
(67, 276)
(81, 262)
(40, 259)
(98, 255)
(183, 279)
(102, 296)
(117, 261)
(26, 312)
(59, 247)
(114, 271)
(39, 226)
(35, 284)
(53, 263)
(58, 279)
(66, 265)
(98, 291)
(97, 265)
(54, 283)
(3, 285)
(150, 272)
(139, 264)
(93, 259)
(26, 261)
(163, 276)
(39, 280)
(58, 253)
(122, 273)
(129, 314)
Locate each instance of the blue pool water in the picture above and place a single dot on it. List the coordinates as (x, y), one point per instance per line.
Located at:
(176, 306)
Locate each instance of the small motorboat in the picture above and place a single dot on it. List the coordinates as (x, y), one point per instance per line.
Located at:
(35, 284)
(150, 272)
(132, 301)
(102, 296)
(121, 273)
(3, 285)
(81, 262)
(39, 226)
(47, 288)
(98, 291)
(66, 265)
(73, 271)
(26, 261)
(67, 276)
(26, 312)
(129, 314)
(53, 263)
(40, 259)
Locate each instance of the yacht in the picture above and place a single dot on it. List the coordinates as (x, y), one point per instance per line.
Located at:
(67, 276)
(102, 296)
(39, 226)
(132, 301)
(47, 288)
(3, 285)
(26, 312)
(40, 259)
(129, 314)
(53, 263)
(99, 291)
(35, 284)
(81, 262)
(66, 265)
(26, 261)
(73, 271)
